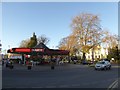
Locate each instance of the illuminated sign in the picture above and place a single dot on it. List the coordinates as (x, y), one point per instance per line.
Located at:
(38, 50)
(22, 50)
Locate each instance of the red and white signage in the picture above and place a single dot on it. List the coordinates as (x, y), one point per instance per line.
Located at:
(38, 50)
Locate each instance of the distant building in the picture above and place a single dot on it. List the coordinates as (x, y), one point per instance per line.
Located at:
(99, 53)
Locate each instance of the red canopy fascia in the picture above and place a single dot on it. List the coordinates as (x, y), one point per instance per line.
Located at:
(22, 50)
(39, 50)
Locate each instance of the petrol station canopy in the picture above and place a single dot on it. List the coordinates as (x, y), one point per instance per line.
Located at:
(39, 49)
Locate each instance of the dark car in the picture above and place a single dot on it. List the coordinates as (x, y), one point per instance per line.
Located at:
(105, 59)
(75, 61)
(87, 62)
(9, 64)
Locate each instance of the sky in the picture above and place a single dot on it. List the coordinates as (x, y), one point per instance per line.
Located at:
(52, 19)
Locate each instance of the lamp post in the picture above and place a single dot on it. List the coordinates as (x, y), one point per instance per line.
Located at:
(117, 53)
(0, 51)
(118, 48)
(8, 54)
(0, 46)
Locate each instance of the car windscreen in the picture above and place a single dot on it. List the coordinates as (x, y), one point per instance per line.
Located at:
(100, 62)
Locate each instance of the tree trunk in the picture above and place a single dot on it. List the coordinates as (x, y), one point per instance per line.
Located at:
(84, 57)
(93, 55)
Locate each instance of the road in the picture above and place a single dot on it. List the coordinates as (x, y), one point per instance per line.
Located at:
(66, 76)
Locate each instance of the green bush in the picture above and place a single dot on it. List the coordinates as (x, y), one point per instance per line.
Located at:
(92, 65)
(118, 61)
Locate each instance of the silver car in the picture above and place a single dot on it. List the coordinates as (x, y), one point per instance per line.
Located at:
(103, 65)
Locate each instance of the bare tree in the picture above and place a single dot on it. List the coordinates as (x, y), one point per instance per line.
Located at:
(111, 40)
(68, 43)
(24, 43)
(42, 39)
(87, 29)
(28, 43)
(86, 34)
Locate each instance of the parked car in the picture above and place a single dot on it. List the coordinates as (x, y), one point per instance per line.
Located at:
(105, 59)
(9, 64)
(102, 65)
(75, 61)
(87, 62)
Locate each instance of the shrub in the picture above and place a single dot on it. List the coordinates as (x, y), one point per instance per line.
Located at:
(118, 61)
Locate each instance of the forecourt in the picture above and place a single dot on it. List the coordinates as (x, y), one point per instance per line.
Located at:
(63, 76)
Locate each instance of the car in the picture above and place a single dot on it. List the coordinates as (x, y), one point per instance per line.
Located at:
(9, 64)
(75, 61)
(87, 62)
(103, 65)
(105, 59)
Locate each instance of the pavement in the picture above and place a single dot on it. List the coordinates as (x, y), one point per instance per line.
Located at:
(48, 67)
(45, 67)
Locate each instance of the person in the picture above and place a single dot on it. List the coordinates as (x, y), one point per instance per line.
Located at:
(27, 62)
(7, 62)
(57, 60)
(11, 64)
(2, 62)
(53, 63)
(29, 65)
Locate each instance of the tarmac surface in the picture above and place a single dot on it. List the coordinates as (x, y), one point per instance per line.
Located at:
(63, 76)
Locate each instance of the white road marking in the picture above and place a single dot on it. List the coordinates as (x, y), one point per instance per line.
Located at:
(50, 87)
(64, 86)
(75, 85)
(113, 84)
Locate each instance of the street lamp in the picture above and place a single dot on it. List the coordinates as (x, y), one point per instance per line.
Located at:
(0, 51)
(118, 48)
(0, 46)
(117, 53)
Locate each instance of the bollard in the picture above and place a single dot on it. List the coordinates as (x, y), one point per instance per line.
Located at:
(52, 67)
(29, 67)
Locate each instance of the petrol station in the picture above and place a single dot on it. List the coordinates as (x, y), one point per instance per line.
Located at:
(39, 50)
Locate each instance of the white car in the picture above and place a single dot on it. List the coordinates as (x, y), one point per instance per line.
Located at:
(103, 65)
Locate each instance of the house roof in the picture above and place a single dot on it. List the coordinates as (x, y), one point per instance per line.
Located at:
(41, 45)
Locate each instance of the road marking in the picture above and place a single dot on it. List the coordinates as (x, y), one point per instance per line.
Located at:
(86, 83)
(36, 87)
(94, 82)
(75, 85)
(64, 86)
(113, 85)
(50, 87)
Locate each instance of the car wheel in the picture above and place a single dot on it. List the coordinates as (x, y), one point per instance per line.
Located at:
(105, 68)
(109, 68)
(95, 68)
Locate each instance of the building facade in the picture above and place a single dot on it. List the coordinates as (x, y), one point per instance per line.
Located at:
(98, 53)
